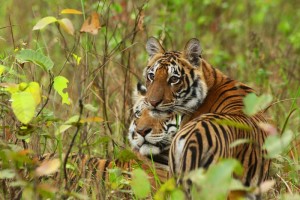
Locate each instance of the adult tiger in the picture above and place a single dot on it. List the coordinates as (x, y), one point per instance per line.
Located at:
(185, 83)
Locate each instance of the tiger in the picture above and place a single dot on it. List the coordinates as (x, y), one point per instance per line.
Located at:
(148, 135)
(184, 83)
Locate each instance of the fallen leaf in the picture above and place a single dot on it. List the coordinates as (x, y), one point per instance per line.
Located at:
(91, 24)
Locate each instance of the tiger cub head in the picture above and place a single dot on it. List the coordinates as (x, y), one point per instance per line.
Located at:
(174, 79)
(147, 134)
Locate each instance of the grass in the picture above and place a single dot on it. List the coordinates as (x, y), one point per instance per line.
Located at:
(256, 42)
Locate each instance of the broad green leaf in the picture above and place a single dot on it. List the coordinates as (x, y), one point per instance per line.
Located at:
(67, 25)
(60, 83)
(275, 144)
(29, 55)
(48, 167)
(216, 176)
(253, 104)
(7, 173)
(169, 189)
(140, 184)
(71, 11)
(177, 194)
(23, 105)
(42, 23)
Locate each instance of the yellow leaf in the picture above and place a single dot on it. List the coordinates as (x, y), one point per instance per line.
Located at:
(10, 87)
(2, 69)
(91, 24)
(48, 167)
(44, 22)
(92, 119)
(67, 25)
(34, 89)
(71, 11)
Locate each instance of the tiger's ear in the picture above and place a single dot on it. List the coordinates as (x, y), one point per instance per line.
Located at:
(153, 46)
(192, 51)
(141, 89)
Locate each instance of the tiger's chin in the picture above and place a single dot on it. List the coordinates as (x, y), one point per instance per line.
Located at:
(147, 149)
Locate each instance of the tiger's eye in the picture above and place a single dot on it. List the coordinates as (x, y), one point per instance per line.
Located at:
(174, 79)
(137, 114)
(150, 76)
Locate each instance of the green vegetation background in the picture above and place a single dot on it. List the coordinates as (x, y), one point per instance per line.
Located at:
(254, 41)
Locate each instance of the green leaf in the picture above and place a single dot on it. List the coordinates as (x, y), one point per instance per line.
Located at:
(169, 189)
(90, 107)
(177, 195)
(216, 176)
(23, 105)
(7, 173)
(275, 144)
(253, 104)
(42, 23)
(60, 83)
(2, 69)
(29, 55)
(66, 25)
(140, 184)
(68, 124)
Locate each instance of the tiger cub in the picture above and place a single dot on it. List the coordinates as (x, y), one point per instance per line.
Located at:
(148, 135)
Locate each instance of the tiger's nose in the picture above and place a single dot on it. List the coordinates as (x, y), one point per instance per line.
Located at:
(155, 103)
(144, 132)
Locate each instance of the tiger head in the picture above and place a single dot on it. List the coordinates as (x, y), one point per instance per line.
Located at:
(174, 80)
(149, 135)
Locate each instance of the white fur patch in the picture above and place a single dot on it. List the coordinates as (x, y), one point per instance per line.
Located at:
(178, 154)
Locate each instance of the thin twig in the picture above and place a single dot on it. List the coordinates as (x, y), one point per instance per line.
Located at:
(11, 31)
(48, 97)
(285, 183)
(78, 124)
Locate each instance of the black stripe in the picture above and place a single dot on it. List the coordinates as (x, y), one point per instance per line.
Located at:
(207, 133)
(208, 162)
(224, 100)
(219, 143)
(200, 145)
